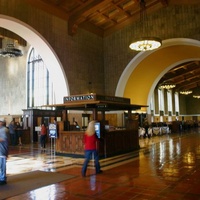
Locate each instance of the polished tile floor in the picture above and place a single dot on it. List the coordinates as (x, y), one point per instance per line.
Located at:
(166, 167)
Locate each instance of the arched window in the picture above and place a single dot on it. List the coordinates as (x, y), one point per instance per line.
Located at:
(39, 84)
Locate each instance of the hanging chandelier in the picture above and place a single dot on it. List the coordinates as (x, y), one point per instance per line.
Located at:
(197, 96)
(10, 51)
(185, 92)
(197, 93)
(168, 85)
(145, 43)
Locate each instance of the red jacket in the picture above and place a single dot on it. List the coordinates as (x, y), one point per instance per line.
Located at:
(90, 142)
(43, 130)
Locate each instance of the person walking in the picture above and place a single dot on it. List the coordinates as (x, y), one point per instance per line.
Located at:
(3, 152)
(19, 133)
(90, 145)
(146, 126)
(43, 135)
(12, 132)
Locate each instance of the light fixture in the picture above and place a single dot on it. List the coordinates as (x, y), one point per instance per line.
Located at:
(168, 85)
(197, 96)
(197, 93)
(185, 92)
(10, 51)
(145, 43)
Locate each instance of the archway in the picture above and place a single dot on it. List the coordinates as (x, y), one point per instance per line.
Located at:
(142, 74)
(44, 49)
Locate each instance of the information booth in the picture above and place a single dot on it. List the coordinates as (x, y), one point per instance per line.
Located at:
(33, 118)
(112, 142)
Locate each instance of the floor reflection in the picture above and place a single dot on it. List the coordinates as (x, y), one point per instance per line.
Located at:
(166, 167)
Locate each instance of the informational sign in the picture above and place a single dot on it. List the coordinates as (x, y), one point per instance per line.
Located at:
(86, 97)
(53, 131)
(38, 128)
(97, 129)
(95, 97)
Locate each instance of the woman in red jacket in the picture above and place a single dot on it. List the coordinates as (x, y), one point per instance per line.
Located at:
(43, 135)
(90, 142)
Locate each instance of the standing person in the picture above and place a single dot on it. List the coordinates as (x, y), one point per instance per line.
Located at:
(90, 142)
(19, 133)
(3, 152)
(43, 135)
(12, 132)
(146, 126)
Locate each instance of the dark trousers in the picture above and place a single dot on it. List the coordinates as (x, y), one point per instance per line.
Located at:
(13, 139)
(43, 141)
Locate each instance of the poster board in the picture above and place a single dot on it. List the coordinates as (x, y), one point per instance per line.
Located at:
(38, 128)
(53, 130)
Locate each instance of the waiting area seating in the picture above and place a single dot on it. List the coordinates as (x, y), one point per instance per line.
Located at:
(161, 128)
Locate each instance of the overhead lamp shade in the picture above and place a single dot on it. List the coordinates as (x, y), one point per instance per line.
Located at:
(10, 51)
(197, 92)
(185, 92)
(146, 44)
(167, 85)
(197, 96)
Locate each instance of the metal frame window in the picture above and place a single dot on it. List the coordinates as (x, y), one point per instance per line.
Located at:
(39, 84)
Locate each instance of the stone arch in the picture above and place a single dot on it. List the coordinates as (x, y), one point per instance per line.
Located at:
(44, 49)
(135, 82)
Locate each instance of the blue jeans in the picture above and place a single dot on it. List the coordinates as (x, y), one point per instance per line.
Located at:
(2, 168)
(88, 156)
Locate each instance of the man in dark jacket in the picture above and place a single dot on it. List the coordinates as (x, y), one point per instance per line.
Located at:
(3, 152)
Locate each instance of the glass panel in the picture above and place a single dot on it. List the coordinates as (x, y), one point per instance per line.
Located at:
(39, 85)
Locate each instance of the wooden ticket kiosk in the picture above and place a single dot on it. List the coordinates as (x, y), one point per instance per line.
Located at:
(112, 142)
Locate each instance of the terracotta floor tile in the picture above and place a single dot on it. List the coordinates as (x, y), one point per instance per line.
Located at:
(167, 167)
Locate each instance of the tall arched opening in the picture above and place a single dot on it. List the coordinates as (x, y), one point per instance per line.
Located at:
(142, 74)
(44, 49)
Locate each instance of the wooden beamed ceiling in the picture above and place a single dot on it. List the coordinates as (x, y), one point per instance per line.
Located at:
(185, 76)
(101, 17)
(104, 17)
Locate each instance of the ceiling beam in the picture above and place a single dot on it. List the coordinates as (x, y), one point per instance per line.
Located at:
(189, 85)
(80, 16)
(131, 19)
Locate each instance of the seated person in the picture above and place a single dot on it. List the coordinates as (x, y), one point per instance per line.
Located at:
(75, 126)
